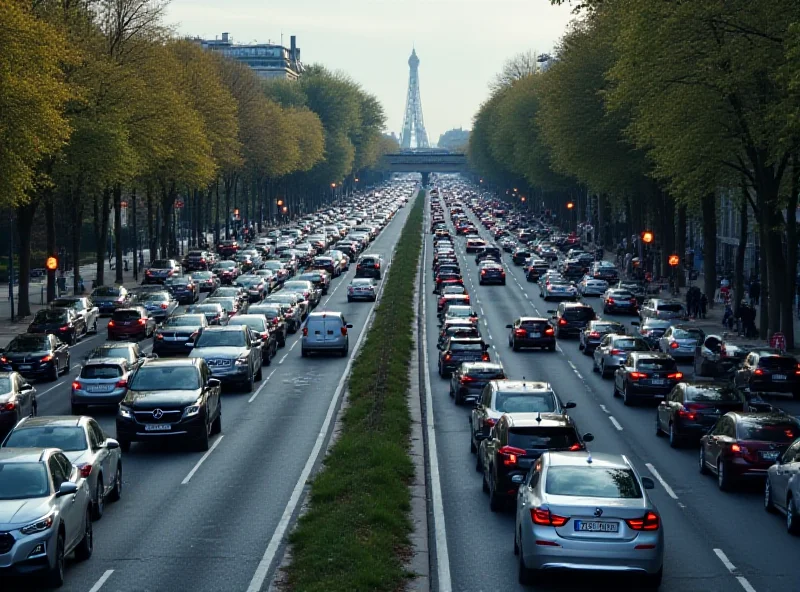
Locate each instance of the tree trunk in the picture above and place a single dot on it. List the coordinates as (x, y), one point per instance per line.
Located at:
(52, 251)
(680, 243)
(764, 272)
(217, 228)
(167, 205)
(77, 209)
(229, 181)
(152, 239)
(118, 232)
(708, 206)
(738, 280)
(25, 215)
(102, 211)
(790, 282)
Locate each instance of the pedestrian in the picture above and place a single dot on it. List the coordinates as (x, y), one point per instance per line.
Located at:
(755, 291)
(727, 317)
(703, 305)
(690, 302)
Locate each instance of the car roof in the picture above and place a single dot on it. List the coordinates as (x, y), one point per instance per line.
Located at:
(323, 314)
(544, 420)
(174, 361)
(481, 366)
(102, 361)
(651, 355)
(530, 319)
(604, 460)
(22, 455)
(761, 417)
(567, 305)
(522, 385)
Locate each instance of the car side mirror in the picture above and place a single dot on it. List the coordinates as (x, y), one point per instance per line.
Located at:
(485, 346)
(648, 483)
(439, 346)
(67, 488)
(509, 326)
(349, 326)
(111, 444)
(570, 405)
(588, 437)
(255, 336)
(213, 383)
(26, 387)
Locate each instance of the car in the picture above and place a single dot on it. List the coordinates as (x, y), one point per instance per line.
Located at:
(570, 318)
(604, 270)
(226, 271)
(293, 308)
(680, 341)
(491, 272)
(214, 312)
(369, 266)
(36, 356)
(159, 305)
(161, 269)
(475, 245)
(531, 332)
(177, 334)
(328, 264)
(691, 409)
(558, 289)
(65, 323)
(45, 514)
(206, 281)
(227, 248)
(306, 289)
(130, 352)
(510, 396)
(535, 268)
(362, 289)
(198, 261)
(589, 286)
(513, 445)
(110, 298)
(254, 285)
(659, 308)
(782, 487)
(319, 277)
(651, 330)
(468, 380)
(184, 288)
(595, 331)
(131, 323)
(619, 301)
(177, 398)
(646, 375)
(579, 511)
(445, 301)
(325, 332)
(457, 328)
(458, 350)
(17, 400)
(459, 311)
(458, 289)
(81, 305)
(96, 456)
(230, 304)
(635, 287)
(490, 254)
(718, 357)
(769, 371)
(273, 313)
(613, 350)
(232, 353)
(519, 256)
(267, 338)
(744, 445)
(101, 382)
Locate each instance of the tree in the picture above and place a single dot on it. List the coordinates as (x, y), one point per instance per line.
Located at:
(516, 68)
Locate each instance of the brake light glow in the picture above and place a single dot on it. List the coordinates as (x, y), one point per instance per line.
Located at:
(637, 375)
(490, 422)
(576, 446)
(47, 358)
(594, 334)
(447, 357)
(562, 321)
(736, 448)
(686, 413)
(64, 328)
(674, 345)
(10, 406)
(110, 323)
(85, 469)
(548, 331)
(305, 331)
(159, 336)
(510, 454)
(758, 372)
(520, 332)
(4, 360)
(275, 321)
(544, 517)
(485, 357)
(142, 321)
(344, 331)
(164, 305)
(610, 301)
(675, 375)
(649, 521)
(615, 352)
(466, 378)
(121, 384)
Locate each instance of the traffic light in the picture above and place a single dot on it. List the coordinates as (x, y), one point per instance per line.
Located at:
(647, 237)
(51, 263)
(570, 205)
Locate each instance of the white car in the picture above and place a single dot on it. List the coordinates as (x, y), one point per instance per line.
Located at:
(589, 286)
(559, 290)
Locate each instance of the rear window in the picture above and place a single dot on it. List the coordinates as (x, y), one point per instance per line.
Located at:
(160, 264)
(525, 402)
(579, 314)
(670, 307)
(656, 364)
(457, 346)
(627, 344)
(592, 482)
(536, 437)
(776, 363)
(720, 394)
(687, 334)
(608, 328)
(101, 371)
(533, 324)
(769, 431)
(486, 374)
(125, 315)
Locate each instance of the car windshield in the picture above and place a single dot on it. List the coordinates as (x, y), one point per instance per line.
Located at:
(204, 308)
(251, 281)
(23, 481)
(165, 378)
(782, 432)
(295, 285)
(687, 334)
(360, 282)
(227, 304)
(156, 298)
(184, 321)
(67, 438)
(105, 291)
(629, 344)
(160, 264)
(486, 374)
(178, 281)
(592, 481)
(50, 316)
(220, 339)
(525, 402)
(27, 343)
(113, 352)
(608, 328)
(202, 275)
(778, 364)
(64, 303)
(459, 311)
(98, 371)
(578, 314)
(714, 394)
(542, 437)
(533, 324)
(657, 325)
(254, 323)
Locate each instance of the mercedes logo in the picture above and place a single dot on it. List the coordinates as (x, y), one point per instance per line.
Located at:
(157, 414)
(598, 512)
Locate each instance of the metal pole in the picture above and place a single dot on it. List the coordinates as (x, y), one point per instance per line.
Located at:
(11, 266)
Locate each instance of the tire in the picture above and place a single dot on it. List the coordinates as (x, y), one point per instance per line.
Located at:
(349, 299)
(124, 445)
(250, 384)
(552, 347)
(792, 519)
(659, 433)
(54, 373)
(653, 581)
(496, 503)
(116, 492)
(479, 465)
(67, 365)
(202, 444)
(769, 507)
(603, 372)
(701, 462)
(259, 373)
(472, 448)
(525, 576)
(94, 327)
(674, 439)
(303, 352)
(84, 549)
(99, 505)
(514, 346)
(626, 399)
(345, 351)
(724, 482)
(216, 425)
(282, 342)
(55, 576)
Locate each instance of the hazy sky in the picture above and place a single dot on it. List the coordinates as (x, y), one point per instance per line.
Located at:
(461, 44)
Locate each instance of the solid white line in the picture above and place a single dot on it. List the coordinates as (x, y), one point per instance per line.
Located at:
(725, 561)
(283, 524)
(202, 460)
(604, 408)
(440, 531)
(295, 343)
(745, 584)
(660, 479)
(283, 358)
(101, 581)
(613, 420)
(263, 384)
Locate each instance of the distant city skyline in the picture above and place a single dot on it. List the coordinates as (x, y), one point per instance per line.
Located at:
(461, 44)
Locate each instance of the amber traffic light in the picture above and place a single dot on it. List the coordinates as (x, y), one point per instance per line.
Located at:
(570, 205)
(673, 260)
(280, 202)
(51, 263)
(647, 237)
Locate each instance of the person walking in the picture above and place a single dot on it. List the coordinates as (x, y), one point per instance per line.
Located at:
(690, 302)
(755, 291)
(703, 305)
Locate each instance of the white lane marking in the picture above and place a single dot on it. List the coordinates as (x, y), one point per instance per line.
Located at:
(604, 408)
(55, 386)
(558, 349)
(271, 551)
(101, 581)
(263, 384)
(202, 460)
(489, 335)
(440, 531)
(283, 358)
(613, 420)
(660, 479)
(732, 569)
(294, 344)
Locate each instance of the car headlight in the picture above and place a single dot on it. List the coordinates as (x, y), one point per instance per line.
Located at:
(40, 525)
(191, 410)
(125, 412)
(242, 361)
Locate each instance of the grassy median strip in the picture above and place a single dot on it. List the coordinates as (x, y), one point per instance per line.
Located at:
(354, 536)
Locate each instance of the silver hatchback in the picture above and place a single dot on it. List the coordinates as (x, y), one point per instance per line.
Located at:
(325, 332)
(584, 511)
(102, 381)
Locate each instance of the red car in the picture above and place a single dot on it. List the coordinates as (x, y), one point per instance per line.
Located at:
(131, 323)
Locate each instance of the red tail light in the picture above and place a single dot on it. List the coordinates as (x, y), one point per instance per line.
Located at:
(344, 331)
(85, 470)
(649, 521)
(121, 384)
(686, 413)
(562, 321)
(548, 331)
(483, 272)
(674, 345)
(159, 336)
(490, 422)
(610, 301)
(47, 358)
(466, 378)
(633, 300)
(141, 321)
(485, 356)
(758, 372)
(265, 335)
(615, 352)
(448, 357)
(202, 260)
(637, 375)
(510, 454)
(594, 334)
(164, 305)
(675, 375)
(520, 332)
(305, 331)
(544, 517)
(110, 323)
(377, 266)
(735, 448)
(4, 360)
(275, 321)
(64, 328)
(10, 406)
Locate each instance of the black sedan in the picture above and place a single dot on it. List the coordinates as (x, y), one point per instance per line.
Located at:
(594, 332)
(459, 350)
(468, 380)
(17, 400)
(176, 334)
(531, 332)
(110, 298)
(491, 272)
(36, 356)
(183, 288)
(693, 408)
(68, 325)
(646, 375)
(767, 371)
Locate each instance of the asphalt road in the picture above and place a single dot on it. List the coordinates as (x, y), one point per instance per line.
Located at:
(214, 521)
(715, 541)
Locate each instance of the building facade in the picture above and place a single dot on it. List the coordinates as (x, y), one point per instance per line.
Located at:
(268, 60)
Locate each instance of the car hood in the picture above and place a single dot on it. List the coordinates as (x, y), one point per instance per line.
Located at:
(144, 400)
(24, 511)
(218, 352)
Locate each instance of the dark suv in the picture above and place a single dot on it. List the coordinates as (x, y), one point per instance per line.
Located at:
(492, 253)
(531, 332)
(469, 379)
(766, 371)
(369, 266)
(232, 353)
(646, 375)
(459, 350)
(571, 318)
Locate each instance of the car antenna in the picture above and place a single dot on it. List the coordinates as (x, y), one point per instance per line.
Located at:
(589, 458)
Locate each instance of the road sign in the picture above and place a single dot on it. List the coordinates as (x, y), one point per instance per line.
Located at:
(51, 263)
(778, 341)
(179, 204)
(674, 260)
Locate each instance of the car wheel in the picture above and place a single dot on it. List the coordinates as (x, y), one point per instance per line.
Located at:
(77, 409)
(116, 492)
(626, 398)
(653, 581)
(349, 299)
(282, 342)
(345, 350)
(603, 372)
(84, 549)
(303, 352)
(723, 479)
(216, 425)
(55, 577)
(581, 347)
(484, 484)
(496, 503)
(202, 444)
(768, 505)
(54, 372)
(94, 327)
(514, 346)
(479, 464)
(674, 439)
(516, 545)
(259, 373)
(792, 521)
(526, 577)
(472, 448)
(99, 505)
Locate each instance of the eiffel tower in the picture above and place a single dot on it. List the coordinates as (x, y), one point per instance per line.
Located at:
(413, 134)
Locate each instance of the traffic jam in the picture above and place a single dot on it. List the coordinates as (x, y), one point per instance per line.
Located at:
(561, 372)
(141, 371)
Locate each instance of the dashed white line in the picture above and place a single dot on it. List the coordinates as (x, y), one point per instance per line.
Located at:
(660, 479)
(489, 335)
(613, 420)
(202, 460)
(604, 408)
(732, 569)
(101, 581)
(294, 344)
(263, 384)
(283, 359)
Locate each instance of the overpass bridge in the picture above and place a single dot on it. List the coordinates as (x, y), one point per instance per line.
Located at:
(426, 162)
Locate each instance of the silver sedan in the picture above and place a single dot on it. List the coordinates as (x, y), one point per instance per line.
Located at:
(613, 350)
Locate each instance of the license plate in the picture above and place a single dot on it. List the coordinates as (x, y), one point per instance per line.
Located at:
(157, 427)
(594, 526)
(778, 377)
(98, 388)
(658, 381)
(769, 455)
(25, 367)
(536, 335)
